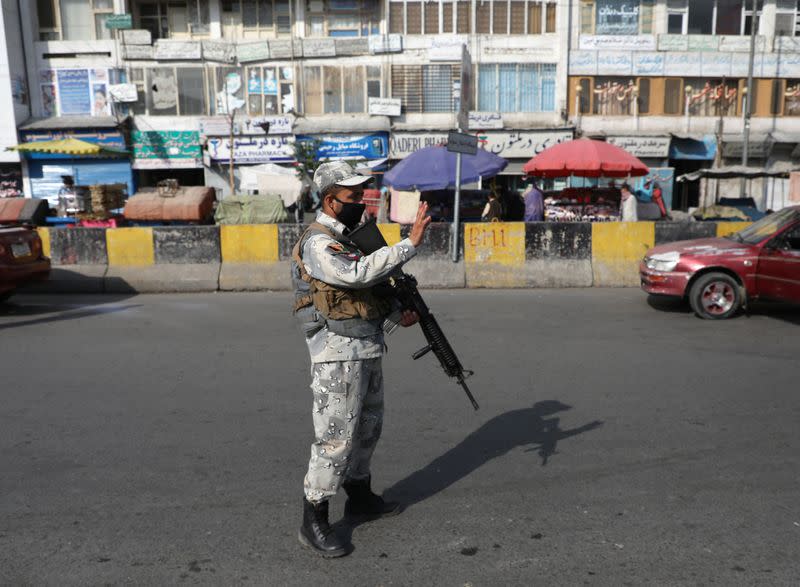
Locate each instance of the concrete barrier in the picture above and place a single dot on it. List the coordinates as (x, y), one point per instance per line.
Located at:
(433, 266)
(670, 232)
(251, 258)
(617, 248)
(257, 257)
(494, 254)
(130, 255)
(726, 228)
(558, 254)
(78, 257)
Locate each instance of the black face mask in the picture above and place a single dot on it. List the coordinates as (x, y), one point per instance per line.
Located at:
(351, 213)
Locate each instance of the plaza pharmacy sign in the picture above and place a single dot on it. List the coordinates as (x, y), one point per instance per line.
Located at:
(252, 149)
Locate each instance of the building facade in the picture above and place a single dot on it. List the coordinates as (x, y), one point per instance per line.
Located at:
(667, 79)
(365, 79)
(377, 79)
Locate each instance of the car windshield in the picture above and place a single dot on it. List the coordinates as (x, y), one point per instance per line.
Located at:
(765, 227)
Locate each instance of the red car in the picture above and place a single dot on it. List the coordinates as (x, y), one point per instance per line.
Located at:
(21, 259)
(720, 275)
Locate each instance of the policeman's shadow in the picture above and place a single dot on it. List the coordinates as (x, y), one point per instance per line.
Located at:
(530, 427)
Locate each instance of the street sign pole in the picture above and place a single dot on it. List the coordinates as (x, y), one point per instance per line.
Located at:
(465, 105)
(456, 208)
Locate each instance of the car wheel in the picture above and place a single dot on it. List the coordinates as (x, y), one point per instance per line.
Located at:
(5, 295)
(716, 296)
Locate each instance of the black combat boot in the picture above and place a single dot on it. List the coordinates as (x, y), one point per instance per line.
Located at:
(317, 534)
(363, 504)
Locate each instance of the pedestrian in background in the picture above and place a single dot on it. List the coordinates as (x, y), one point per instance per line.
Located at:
(493, 211)
(658, 198)
(628, 204)
(342, 314)
(534, 203)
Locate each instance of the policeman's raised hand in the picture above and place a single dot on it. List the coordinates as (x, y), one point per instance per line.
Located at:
(420, 225)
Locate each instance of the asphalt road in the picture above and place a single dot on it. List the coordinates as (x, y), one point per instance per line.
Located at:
(162, 439)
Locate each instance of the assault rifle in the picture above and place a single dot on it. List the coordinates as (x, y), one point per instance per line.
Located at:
(369, 239)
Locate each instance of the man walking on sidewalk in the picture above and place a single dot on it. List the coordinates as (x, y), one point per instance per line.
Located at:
(342, 315)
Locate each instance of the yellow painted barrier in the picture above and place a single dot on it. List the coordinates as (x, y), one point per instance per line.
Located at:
(617, 249)
(391, 233)
(130, 247)
(494, 253)
(726, 228)
(44, 234)
(249, 243)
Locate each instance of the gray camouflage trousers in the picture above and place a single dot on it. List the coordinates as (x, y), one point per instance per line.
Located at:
(348, 418)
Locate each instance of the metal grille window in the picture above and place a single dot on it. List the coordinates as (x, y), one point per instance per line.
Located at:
(425, 88)
(340, 89)
(430, 17)
(512, 87)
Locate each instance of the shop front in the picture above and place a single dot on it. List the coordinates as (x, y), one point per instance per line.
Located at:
(689, 153)
(653, 151)
(45, 171)
(161, 155)
(256, 141)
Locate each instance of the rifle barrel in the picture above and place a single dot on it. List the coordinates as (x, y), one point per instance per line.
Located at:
(468, 392)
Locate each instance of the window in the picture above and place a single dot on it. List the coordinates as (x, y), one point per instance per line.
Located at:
(713, 97)
(425, 88)
(343, 18)
(170, 90)
(712, 17)
(786, 18)
(255, 18)
(515, 87)
(776, 98)
(616, 17)
(269, 90)
(340, 89)
(673, 96)
(173, 18)
(73, 20)
(613, 96)
(643, 103)
(791, 98)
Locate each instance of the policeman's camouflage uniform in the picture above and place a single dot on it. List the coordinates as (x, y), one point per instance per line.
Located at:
(346, 351)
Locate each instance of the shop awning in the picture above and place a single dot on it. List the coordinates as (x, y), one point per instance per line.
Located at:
(703, 149)
(68, 147)
(781, 169)
(341, 124)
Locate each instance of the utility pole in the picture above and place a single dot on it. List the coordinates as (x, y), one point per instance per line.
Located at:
(748, 97)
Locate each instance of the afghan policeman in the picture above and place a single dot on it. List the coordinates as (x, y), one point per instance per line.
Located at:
(339, 302)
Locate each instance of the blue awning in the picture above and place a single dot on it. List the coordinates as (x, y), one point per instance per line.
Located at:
(702, 149)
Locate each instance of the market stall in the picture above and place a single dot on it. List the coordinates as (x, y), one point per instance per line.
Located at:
(585, 158)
